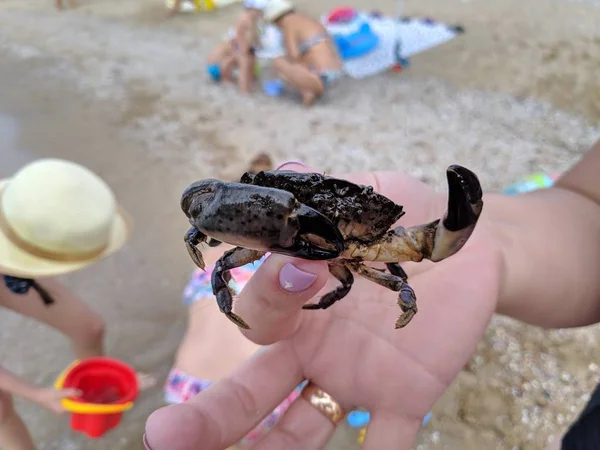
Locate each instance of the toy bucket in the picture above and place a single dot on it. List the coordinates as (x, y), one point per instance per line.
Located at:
(108, 388)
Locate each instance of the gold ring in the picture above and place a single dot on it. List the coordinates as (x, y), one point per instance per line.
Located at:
(323, 402)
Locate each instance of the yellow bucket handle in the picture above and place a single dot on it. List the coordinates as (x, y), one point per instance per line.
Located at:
(87, 408)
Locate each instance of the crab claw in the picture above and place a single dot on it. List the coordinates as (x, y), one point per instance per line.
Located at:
(464, 199)
(464, 208)
(318, 238)
(435, 240)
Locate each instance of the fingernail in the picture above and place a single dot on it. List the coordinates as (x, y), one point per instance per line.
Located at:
(298, 163)
(295, 280)
(145, 441)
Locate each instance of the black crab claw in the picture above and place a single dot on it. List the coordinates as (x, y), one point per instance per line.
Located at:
(464, 199)
(313, 222)
(189, 193)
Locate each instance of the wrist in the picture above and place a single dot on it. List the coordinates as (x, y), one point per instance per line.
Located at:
(32, 393)
(548, 242)
(11, 383)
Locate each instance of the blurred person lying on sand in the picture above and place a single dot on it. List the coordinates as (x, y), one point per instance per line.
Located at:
(212, 345)
(312, 64)
(56, 217)
(534, 257)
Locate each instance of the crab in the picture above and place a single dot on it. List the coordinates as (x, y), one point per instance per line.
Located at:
(318, 217)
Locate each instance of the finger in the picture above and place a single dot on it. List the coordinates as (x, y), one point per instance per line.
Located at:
(271, 302)
(388, 431)
(70, 392)
(221, 415)
(302, 427)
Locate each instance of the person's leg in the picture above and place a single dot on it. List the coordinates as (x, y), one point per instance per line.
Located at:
(13, 432)
(222, 51)
(246, 74)
(69, 315)
(299, 76)
(227, 67)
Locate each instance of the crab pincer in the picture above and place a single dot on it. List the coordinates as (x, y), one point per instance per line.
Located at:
(256, 220)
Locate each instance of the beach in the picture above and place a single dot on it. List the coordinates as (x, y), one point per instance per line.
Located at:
(121, 88)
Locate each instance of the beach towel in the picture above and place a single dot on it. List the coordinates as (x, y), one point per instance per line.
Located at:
(413, 35)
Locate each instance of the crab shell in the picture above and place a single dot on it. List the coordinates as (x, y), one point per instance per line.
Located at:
(358, 211)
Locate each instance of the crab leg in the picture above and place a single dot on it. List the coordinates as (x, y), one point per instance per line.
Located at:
(406, 296)
(192, 238)
(396, 269)
(435, 240)
(221, 275)
(344, 275)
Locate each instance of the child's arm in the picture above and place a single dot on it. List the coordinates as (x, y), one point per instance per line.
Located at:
(247, 24)
(246, 72)
(228, 65)
(551, 244)
(11, 383)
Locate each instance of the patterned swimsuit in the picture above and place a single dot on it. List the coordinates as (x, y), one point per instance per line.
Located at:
(180, 386)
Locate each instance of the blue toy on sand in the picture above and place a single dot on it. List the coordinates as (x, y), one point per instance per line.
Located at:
(274, 87)
(357, 44)
(360, 419)
(214, 71)
(354, 37)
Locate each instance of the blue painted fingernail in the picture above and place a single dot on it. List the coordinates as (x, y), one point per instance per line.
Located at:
(298, 163)
(293, 279)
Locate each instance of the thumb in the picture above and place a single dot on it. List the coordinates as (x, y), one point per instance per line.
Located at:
(271, 302)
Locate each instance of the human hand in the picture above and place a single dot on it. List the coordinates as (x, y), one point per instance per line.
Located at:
(51, 398)
(350, 350)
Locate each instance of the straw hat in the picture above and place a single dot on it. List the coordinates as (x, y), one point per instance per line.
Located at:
(274, 9)
(56, 217)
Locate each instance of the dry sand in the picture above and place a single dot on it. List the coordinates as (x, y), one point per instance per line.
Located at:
(118, 87)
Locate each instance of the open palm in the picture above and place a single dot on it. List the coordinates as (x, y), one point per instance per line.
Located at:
(351, 350)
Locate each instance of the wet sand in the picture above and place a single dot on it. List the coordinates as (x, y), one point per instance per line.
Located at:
(117, 87)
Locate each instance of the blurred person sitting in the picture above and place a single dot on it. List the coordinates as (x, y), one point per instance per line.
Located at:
(312, 64)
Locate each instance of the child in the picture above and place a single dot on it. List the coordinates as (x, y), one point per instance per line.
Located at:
(226, 57)
(223, 346)
(312, 63)
(239, 49)
(56, 217)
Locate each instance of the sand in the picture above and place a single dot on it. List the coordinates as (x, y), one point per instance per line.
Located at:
(121, 88)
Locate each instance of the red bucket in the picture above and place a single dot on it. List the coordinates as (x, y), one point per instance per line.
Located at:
(108, 388)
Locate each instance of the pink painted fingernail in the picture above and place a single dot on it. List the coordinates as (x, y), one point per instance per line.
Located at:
(298, 163)
(293, 279)
(145, 441)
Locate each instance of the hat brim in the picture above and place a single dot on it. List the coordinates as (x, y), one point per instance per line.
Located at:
(275, 9)
(15, 261)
